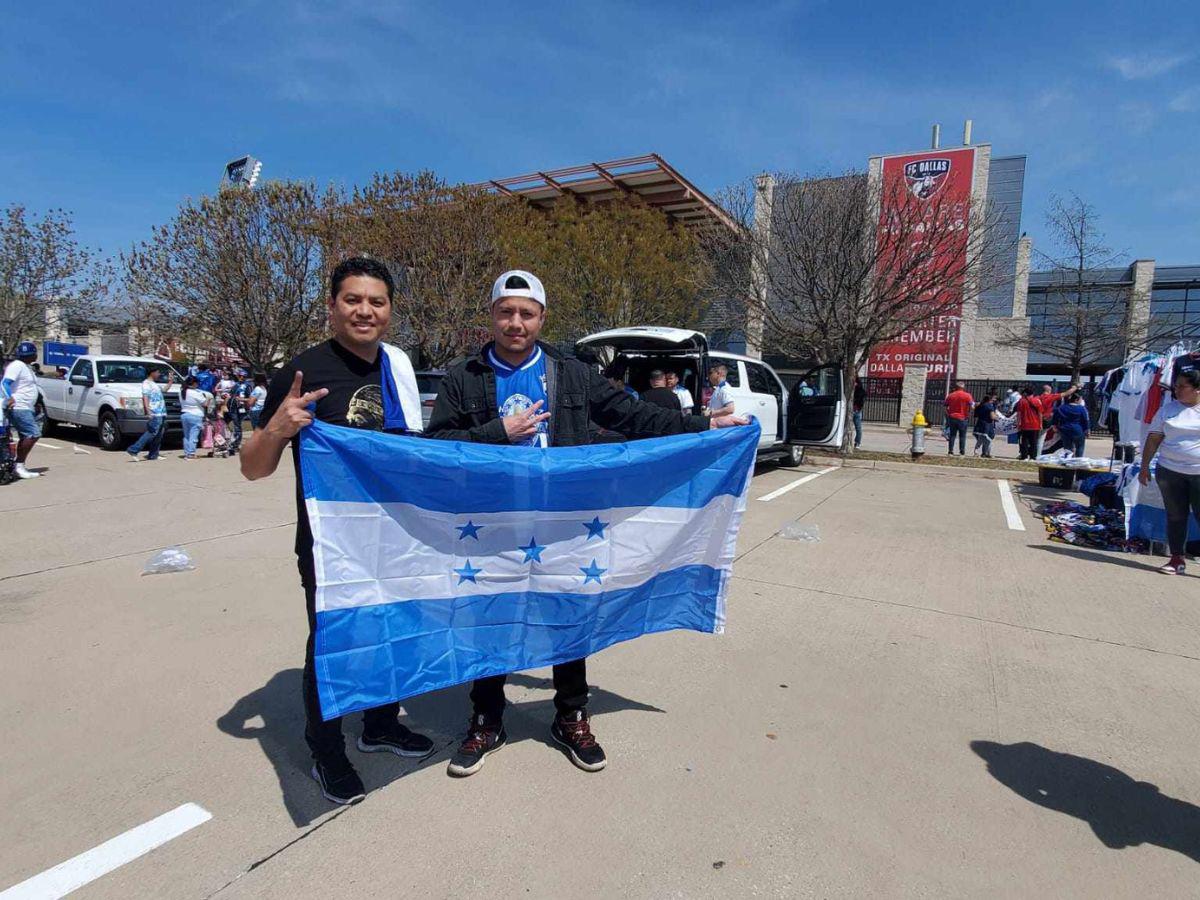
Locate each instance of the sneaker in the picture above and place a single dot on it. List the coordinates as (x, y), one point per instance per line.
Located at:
(1174, 567)
(23, 472)
(573, 733)
(482, 738)
(396, 739)
(338, 780)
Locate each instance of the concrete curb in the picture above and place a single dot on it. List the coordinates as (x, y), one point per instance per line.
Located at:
(930, 469)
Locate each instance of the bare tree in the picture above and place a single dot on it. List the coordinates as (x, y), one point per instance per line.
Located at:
(244, 268)
(834, 266)
(441, 241)
(44, 271)
(608, 265)
(1078, 321)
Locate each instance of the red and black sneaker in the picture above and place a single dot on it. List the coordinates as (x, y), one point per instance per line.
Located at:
(1176, 566)
(573, 733)
(483, 737)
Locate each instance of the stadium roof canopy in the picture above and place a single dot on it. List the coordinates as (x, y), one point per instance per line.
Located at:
(650, 178)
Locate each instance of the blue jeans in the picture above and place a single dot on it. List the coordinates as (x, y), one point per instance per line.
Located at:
(151, 439)
(857, 418)
(1077, 444)
(192, 424)
(957, 428)
(255, 415)
(25, 423)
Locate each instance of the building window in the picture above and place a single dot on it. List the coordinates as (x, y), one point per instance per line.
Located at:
(1174, 315)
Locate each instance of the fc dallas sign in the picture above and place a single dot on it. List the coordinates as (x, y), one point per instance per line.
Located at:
(917, 179)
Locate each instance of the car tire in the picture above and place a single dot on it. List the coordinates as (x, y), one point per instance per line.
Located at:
(47, 424)
(793, 455)
(109, 431)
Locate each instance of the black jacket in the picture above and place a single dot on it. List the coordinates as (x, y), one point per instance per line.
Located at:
(576, 393)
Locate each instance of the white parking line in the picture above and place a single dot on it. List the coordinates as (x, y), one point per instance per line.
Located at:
(112, 854)
(795, 484)
(43, 444)
(1010, 506)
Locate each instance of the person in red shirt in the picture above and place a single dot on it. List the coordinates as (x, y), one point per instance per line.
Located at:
(1029, 423)
(958, 412)
(1046, 402)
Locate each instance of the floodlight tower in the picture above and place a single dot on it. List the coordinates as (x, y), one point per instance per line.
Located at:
(242, 172)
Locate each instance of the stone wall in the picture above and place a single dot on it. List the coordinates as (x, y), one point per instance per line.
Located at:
(912, 392)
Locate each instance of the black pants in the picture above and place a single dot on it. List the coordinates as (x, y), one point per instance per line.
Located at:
(570, 691)
(1179, 492)
(325, 738)
(235, 427)
(1027, 444)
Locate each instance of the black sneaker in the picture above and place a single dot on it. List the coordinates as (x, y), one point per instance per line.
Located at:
(338, 780)
(482, 738)
(573, 733)
(396, 739)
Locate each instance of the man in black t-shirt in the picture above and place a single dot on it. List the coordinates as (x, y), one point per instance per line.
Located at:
(341, 378)
(659, 394)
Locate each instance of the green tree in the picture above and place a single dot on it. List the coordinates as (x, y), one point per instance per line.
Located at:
(245, 268)
(44, 270)
(607, 265)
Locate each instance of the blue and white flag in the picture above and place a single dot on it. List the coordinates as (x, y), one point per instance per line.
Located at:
(439, 562)
(1145, 515)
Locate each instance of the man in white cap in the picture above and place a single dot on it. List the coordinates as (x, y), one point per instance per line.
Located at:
(517, 390)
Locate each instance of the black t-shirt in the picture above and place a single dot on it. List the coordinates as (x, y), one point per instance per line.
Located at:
(355, 400)
(664, 397)
(983, 418)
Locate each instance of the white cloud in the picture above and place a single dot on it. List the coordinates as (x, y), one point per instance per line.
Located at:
(1146, 65)
(1187, 101)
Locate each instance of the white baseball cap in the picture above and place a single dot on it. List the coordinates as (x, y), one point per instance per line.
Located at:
(519, 283)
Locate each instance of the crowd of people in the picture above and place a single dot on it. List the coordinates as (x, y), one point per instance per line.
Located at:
(1061, 417)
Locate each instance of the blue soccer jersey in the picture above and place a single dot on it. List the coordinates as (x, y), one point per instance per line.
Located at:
(518, 389)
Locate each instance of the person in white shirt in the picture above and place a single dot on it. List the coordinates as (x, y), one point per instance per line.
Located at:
(193, 404)
(685, 396)
(1174, 436)
(721, 401)
(19, 391)
(256, 400)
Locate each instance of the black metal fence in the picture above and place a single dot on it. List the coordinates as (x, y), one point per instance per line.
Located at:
(882, 403)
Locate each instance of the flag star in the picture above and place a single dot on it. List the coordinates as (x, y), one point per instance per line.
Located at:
(592, 572)
(595, 528)
(468, 530)
(467, 573)
(533, 552)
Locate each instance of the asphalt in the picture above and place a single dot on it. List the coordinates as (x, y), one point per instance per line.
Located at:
(923, 703)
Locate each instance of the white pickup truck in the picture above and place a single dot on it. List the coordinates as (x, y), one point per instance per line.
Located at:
(105, 393)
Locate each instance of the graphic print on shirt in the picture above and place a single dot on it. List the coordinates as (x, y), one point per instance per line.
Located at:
(517, 390)
(365, 409)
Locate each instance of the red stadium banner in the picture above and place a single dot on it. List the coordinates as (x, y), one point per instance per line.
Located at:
(918, 179)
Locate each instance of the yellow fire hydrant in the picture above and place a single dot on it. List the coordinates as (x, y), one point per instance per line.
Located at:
(918, 435)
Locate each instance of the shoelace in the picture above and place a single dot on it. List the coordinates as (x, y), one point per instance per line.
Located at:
(580, 733)
(477, 739)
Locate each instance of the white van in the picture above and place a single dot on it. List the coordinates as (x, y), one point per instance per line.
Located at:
(790, 419)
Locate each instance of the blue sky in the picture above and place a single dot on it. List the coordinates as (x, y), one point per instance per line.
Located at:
(117, 111)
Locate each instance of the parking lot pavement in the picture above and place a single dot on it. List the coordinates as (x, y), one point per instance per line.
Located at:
(925, 702)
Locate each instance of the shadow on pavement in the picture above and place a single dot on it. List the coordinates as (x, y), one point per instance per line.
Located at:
(1115, 557)
(441, 714)
(1122, 812)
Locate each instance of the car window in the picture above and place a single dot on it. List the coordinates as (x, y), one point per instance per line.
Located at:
(82, 367)
(731, 366)
(760, 381)
(130, 372)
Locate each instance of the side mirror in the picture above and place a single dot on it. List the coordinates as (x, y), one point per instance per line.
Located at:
(84, 380)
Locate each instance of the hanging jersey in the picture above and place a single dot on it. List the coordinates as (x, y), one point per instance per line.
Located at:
(518, 389)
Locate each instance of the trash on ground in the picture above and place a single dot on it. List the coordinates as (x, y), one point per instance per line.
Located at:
(796, 531)
(173, 559)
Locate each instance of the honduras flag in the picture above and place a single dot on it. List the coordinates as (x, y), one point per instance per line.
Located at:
(439, 562)
(1145, 515)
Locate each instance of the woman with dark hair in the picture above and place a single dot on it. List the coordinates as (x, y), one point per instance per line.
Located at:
(256, 399)
(1175, 437)
(985, 425)
(193, 405)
